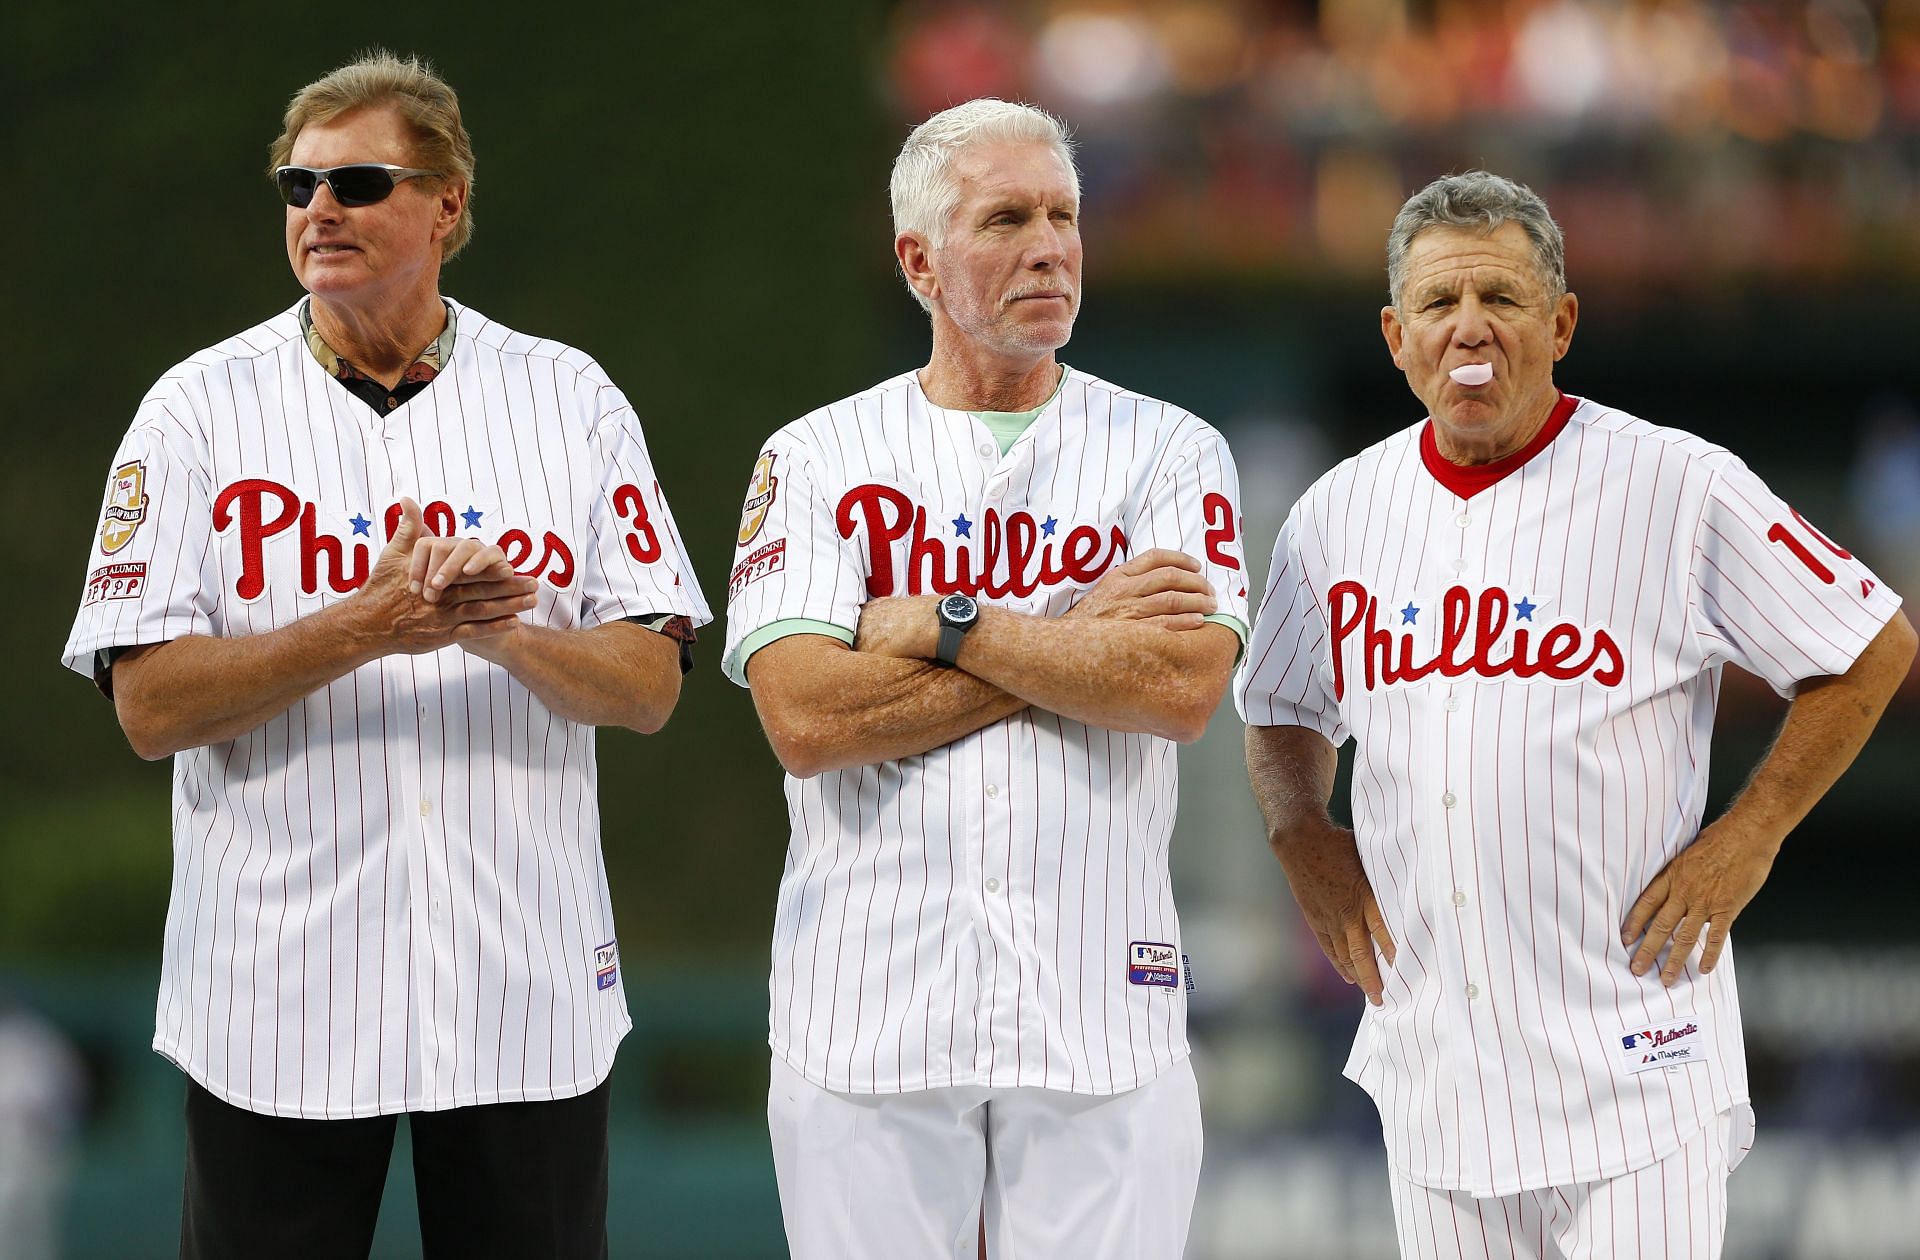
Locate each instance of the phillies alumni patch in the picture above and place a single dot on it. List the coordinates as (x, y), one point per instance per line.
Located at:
(1153, 964)
(768, 559)
(115, 581)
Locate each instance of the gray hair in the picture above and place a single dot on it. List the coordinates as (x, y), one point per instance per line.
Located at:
(1482, 202)
(923, 189)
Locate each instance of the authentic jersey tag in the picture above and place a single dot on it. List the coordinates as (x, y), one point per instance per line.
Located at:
(1186, 966)
(1153, 964)
(606, 966)
(1674, 1043)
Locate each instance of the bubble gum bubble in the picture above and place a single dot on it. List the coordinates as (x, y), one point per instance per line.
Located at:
(1472, 374)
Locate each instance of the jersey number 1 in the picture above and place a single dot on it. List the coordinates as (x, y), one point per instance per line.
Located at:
(1785, 537)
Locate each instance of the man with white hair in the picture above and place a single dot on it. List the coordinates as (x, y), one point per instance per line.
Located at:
(977, 605)
(1519, 608)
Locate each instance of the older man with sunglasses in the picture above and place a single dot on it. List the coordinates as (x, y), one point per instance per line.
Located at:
(388, 891)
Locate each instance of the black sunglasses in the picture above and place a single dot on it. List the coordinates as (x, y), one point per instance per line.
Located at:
(360, 184)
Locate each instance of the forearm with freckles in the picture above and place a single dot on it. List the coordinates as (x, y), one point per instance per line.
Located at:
(198, 689)
(1117, 674)
(828, 707)
(618, 674)
(1292, 770)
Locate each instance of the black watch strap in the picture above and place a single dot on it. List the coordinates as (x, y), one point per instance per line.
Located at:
(948, 652)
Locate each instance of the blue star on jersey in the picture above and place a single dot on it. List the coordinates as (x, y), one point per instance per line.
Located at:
(1409, 614)
(1048, 526)
(472, 516)
(360, 525)
(1523, 611)
(962, 526)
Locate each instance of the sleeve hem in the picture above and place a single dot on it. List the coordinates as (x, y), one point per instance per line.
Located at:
(734, 666)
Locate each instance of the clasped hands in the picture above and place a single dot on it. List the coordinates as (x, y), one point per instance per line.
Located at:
(426, 592)
(1160, 587)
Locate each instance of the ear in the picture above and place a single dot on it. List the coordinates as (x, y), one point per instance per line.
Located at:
(1394, 332)
(449, 204)
(1566, 313)
(916, 264)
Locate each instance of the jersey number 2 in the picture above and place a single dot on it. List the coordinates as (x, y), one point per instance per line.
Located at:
(1221, 529)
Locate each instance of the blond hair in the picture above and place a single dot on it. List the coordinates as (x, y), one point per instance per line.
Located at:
(427, 103)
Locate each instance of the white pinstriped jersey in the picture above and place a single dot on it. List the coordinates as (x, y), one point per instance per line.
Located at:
(391, 896)
(994, 912)
(1528, 657)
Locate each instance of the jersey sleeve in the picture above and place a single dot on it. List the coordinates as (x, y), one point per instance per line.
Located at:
(1283, 679)
(792, 572)
(1774, 595)
(636, 563)
(1194, 507)
(152, 568)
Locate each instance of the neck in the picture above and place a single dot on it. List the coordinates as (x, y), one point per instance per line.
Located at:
(1484, 446)
(969, 378)
(383, 342)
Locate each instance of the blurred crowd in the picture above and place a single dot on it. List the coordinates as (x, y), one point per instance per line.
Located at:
(1681, 142)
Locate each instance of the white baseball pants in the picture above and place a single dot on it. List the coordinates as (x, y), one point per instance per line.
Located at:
(1058, 1176)
(1675, 1209)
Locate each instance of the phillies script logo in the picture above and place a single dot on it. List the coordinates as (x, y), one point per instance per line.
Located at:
(1034, 556)
(1473, 640)
(266, 509)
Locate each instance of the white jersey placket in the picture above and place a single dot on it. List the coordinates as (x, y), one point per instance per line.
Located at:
(990, 856)
(410, 915)
(1454, 877)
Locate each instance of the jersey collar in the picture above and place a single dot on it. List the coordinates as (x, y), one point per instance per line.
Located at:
(1467, 480)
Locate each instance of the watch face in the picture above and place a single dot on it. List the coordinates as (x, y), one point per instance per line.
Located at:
(959, 608)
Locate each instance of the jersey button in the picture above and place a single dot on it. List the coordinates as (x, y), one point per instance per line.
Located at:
(987, 450)
(392, 402)
(992, 791)
(1459, 898)
(1463, 520)
(1460, 565)
(1452, 704)
(1473, 991)
(1448, 799)
(426, 807)
(993, 885)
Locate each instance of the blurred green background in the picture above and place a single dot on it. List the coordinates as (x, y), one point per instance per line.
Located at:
(696, 196)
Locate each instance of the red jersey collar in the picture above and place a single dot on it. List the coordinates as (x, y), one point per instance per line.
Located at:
(1467, 480)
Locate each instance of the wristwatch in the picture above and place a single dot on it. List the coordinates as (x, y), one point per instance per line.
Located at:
(957, 616)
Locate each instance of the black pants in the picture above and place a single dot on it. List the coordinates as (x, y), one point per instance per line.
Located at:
(510, 1180)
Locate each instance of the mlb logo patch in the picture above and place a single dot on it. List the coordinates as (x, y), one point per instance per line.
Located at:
(606, 966)
(1153, 964)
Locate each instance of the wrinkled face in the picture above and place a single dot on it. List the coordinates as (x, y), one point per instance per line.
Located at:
(1470, 298)
(1008, 273)
(364, 255)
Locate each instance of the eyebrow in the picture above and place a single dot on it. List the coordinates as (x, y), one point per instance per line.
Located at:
(1436, 289)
